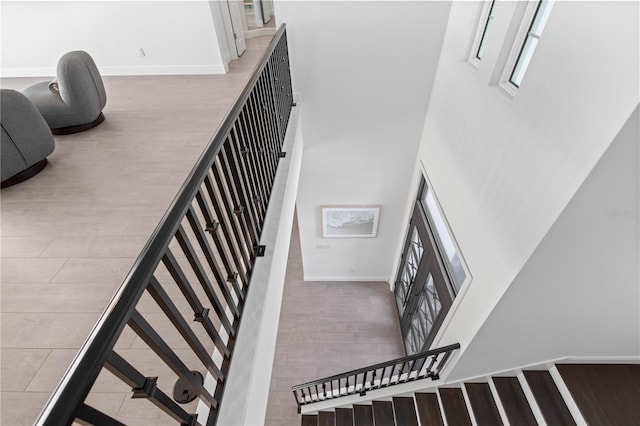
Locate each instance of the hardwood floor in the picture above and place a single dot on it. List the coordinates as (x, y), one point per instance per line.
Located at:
(71, 233)
(327, 328)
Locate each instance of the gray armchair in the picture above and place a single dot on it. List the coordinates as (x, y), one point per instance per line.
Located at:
(25, 141)
(75, 101)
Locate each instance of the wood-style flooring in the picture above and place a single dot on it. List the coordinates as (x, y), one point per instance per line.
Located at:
(70, 234)
(327, 328)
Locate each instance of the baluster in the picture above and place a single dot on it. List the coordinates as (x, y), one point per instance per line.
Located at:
(144, 387)
(295, 395)
(433, 361)
(413, 363)
(441, 364)
(404, 365)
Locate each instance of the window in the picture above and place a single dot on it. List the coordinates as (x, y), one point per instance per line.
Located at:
(479, 50)
(530, 42)
(445, 242)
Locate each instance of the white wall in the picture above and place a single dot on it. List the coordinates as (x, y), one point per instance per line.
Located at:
(579, 293)
(504, 169)
(178, 37)
(364, 70)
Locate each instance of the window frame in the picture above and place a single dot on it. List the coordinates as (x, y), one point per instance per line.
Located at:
(454, 288)
(486, 16)
(528, 21)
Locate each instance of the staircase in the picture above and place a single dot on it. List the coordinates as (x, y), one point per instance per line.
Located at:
(564, 395)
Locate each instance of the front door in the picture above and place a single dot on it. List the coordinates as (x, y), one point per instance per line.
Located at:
(422, 290)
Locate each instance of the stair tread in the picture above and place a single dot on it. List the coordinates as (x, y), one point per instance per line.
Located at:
(552, 405)
(606, 394)
(326, 418)
(383, 413)
(514, 401)
(363, 415)
(429, 409)
(405, 411)
(484, 407)
(344, 417)
(455, 409)
(309, 420)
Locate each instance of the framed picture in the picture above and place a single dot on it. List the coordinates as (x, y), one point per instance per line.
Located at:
(350, 222)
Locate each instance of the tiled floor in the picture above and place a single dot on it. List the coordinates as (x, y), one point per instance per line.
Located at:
(70, 234)
(327, 328)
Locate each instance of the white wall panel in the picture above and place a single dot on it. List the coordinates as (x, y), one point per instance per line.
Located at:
(178, 37)
(505, 168)
(364, 70)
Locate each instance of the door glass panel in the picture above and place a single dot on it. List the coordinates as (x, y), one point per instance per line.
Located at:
(409, 270)
(425, 316)
(432, 305)
(451, 254)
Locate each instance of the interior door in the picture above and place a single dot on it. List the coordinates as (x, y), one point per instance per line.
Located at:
(236, 10)
(422, 289)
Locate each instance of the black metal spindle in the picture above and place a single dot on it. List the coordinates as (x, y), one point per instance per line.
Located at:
(441, 364)
(185, 287)
(260, 137)
(434, 359)
(243, 151)
(271, 156)
(364, 383)
(275, 99)
(92, 416)
(231, 170)
(254, 138)
(270, 107)
(241, 240)
(209, 256)
(237, 255)
(144, 387)
(151, 337)
(212, 227)
(171, 311)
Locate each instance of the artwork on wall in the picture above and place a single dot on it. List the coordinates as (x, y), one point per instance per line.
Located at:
(350, 222)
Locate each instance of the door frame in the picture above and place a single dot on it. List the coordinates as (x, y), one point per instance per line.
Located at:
(429, 263)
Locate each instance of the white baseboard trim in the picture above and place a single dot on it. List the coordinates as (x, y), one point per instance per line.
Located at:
(123, 70)
(344, 278)
(259, 32)
(45, 72)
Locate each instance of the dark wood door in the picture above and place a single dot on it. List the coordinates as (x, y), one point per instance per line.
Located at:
(421, 289)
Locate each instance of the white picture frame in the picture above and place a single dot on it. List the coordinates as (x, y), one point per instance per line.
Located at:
(350, 221)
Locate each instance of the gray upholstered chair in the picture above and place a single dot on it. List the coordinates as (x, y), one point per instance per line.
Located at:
(26, 140)
(75, 101)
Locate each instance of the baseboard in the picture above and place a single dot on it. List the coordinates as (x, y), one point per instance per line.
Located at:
(123, 70)
(260, 32)
(340, 278)
(45, 72)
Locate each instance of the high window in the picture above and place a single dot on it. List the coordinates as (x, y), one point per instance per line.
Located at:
(530, 42)
(485, 28)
